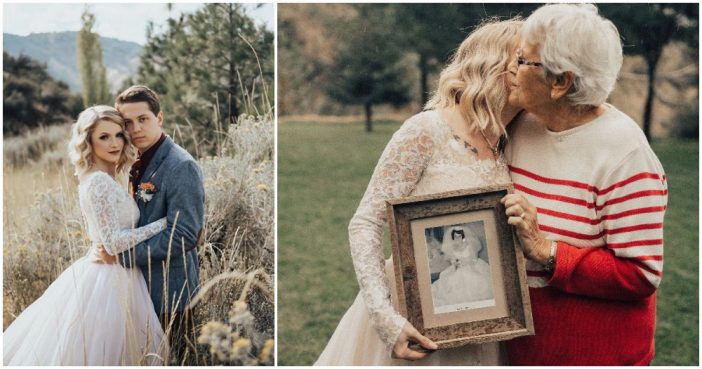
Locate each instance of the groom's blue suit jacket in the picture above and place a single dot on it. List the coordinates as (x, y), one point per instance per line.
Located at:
(169, 260)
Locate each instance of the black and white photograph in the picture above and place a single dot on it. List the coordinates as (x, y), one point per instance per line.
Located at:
(460, 267)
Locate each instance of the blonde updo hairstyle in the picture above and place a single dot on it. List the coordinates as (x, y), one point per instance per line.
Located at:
(474, 78)
(80, 149)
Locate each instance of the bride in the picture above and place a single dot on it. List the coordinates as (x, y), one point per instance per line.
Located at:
(95, 314)
(467, 279)
(453, 146)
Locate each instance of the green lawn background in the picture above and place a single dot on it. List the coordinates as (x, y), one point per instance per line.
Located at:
(323, 170)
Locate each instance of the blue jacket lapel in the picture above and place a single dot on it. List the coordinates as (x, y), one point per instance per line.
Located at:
(151, 170)
(157, 160)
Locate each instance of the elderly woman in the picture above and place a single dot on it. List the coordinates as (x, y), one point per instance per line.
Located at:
(590, 197)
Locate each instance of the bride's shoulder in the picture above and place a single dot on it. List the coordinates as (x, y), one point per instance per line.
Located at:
(96, 179)
(425, 123)
(426, 118)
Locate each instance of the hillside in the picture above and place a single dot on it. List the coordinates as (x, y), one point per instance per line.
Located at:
(58, 51)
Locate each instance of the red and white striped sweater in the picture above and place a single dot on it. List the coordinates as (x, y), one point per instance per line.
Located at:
(601, 193)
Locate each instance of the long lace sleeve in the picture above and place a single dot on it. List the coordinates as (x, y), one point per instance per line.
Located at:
(396, 175)
(102, 196)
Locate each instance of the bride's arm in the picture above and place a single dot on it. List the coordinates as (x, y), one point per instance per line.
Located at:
(396, 175)
(102, 199)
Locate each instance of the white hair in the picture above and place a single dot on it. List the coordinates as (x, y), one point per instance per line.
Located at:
(575, 38)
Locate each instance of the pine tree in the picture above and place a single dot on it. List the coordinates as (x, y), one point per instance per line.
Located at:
(205, 67)
(434, 31)
(368, 68)
(646, 29)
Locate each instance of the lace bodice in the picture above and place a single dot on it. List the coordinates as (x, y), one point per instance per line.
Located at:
(111, 214)
(421, 158)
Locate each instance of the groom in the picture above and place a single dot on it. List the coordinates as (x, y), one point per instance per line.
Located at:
(166, 182)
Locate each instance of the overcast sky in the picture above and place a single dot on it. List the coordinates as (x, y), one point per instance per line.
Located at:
(122, 21)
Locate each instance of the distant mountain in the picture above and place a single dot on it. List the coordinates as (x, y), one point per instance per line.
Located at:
(58, 51)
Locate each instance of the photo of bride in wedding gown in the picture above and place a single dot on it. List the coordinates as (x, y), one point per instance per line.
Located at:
(465, 281)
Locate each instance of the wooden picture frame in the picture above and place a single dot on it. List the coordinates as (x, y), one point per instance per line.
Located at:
(481, 295)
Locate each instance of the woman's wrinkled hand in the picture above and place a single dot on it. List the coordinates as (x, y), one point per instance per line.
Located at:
(523, 216)
(407, 337)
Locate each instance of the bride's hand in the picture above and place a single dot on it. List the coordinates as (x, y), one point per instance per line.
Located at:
(103, 257)
(410, 335)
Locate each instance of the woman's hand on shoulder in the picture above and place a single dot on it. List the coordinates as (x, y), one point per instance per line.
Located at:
(408, 336)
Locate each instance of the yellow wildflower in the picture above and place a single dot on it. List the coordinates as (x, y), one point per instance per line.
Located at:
(266, 351)
(218, 336)
(240, 348)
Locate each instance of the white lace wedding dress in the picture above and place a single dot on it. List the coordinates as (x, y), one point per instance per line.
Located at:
(466, 281)
(423, 157)
(94, 314)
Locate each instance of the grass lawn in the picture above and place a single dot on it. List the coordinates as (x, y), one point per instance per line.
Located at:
(677, 333)
(323, 170)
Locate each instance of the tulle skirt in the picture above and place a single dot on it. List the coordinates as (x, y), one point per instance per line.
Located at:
(93, 314)
(355, 342)
(467, 283)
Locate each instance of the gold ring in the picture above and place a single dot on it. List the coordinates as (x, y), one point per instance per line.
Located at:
(523, 215)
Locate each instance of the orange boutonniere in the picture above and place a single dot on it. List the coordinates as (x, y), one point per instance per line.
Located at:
(146, 191)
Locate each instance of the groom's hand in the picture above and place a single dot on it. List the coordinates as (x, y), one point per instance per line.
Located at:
(411, 345)
(103, 257)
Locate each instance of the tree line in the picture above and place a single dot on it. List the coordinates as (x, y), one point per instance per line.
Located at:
(31, 98)
(369, 65)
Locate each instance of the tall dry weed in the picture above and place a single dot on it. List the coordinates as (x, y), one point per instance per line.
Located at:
(240, 239)
(39, 246)
(37, 144)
